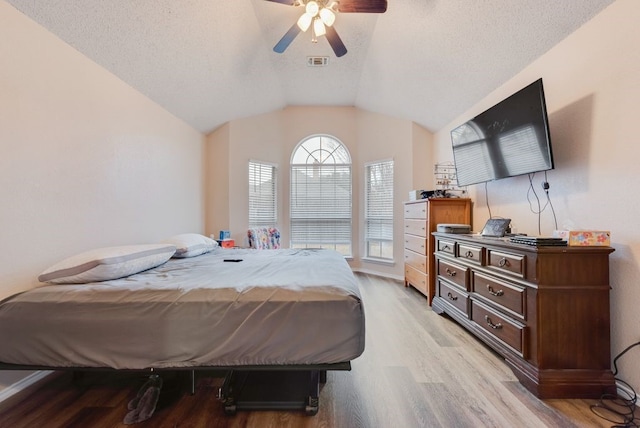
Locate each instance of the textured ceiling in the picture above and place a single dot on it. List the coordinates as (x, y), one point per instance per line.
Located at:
(211, 61)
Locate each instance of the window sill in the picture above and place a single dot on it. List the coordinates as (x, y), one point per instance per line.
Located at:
(379, 261)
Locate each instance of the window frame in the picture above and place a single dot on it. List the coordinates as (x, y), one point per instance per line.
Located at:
(253, 219)
(385, 220)
(312, 225)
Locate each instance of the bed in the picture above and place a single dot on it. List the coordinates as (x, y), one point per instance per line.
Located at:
(228, 308)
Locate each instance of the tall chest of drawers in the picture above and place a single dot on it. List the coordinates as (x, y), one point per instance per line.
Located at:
(544, 309)
(420, 219)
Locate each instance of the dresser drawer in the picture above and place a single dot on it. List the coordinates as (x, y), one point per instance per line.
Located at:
(470, 253)
(417, 244)
(502, 328)
(417, 210)
(415, 260)
(453, 273)
(454, 296)
(506, 262)
(445, 246)
(506, 296)
(415, 227)
(416, 278)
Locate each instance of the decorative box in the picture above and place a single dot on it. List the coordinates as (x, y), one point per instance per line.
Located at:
(585, 238)
(227, 243)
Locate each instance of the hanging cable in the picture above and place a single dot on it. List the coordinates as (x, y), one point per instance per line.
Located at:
(535, 194)
(486, 198)
(545, 186)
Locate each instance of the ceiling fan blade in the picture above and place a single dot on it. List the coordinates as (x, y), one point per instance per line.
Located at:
(336, 42)
(362, 6)
(287, 2)
(286, 40)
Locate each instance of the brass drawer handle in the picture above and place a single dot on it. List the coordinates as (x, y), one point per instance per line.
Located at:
(446, 247)
(469, 254)
(451, 272)
(493, 292)
(503, 262)
(491, 324)
(452, 297)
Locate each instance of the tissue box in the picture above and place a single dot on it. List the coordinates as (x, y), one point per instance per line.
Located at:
(585, 238)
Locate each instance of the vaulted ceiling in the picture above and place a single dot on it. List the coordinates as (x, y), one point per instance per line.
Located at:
(211, 61)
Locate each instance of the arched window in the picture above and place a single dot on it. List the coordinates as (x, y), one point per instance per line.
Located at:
(321, 195)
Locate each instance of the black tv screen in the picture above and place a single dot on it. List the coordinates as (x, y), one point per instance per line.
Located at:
(511, 138)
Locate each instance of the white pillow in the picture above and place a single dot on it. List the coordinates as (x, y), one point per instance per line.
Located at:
(191, 244)
(107, 263)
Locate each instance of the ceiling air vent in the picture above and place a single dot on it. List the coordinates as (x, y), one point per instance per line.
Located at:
(317, 61)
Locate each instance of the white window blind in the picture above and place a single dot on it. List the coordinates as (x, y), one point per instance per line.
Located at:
(321, 198)
(262, 194)
(378, 213)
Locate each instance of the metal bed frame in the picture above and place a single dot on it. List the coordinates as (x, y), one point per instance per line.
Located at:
(268, 387)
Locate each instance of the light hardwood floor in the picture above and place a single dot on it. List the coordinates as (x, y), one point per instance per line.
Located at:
(419, 369)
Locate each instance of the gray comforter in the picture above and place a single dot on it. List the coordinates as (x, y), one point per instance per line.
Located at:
(275, 307)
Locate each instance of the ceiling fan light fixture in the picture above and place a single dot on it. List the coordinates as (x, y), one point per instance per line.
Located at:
(327, 16)
(304, 21)
(312, 8)
(318, 27)
(322, 14)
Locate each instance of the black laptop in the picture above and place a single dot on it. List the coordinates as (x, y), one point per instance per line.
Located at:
(496, 227)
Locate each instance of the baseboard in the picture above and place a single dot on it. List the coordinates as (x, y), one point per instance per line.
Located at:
(625, 391)
(23, 384)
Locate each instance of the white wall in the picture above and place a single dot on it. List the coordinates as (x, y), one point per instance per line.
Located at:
(85, 160)
(272, 138)
(592, 88)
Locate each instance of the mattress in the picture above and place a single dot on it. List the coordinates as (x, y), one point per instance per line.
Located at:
(272, 307)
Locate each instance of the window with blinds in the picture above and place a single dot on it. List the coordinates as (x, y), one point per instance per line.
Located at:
(378, 211)
(262, 194)
(320, 206)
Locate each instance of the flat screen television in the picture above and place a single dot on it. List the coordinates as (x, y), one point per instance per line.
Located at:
(509, 139)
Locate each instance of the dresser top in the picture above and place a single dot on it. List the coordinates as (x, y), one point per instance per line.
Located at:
(484, 241)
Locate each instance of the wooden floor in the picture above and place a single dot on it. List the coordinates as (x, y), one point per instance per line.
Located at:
(419, 369)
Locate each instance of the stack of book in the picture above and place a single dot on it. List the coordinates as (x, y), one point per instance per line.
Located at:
(538, 241)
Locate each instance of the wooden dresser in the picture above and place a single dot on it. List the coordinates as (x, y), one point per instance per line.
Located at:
(420, 219)
(544, 309)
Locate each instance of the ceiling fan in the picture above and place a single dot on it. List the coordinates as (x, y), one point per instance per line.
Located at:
(319, 15)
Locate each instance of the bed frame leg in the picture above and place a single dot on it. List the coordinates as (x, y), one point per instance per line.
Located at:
(313, 401)
(226, 394)
(323, 376)
(193, 382)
